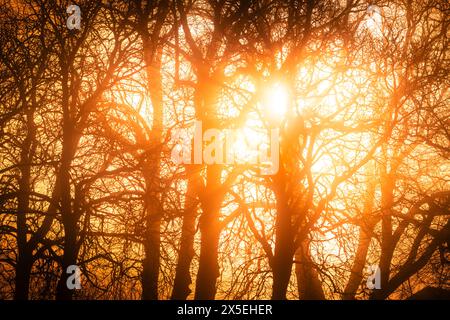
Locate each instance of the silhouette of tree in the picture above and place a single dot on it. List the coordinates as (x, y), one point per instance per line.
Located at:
(357, 93)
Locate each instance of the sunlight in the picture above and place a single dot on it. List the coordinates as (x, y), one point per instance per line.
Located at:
(374, 21)
(249, 136)
(201, 150)
(275, 101)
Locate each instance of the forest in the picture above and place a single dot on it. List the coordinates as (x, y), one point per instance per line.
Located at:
(224, 149)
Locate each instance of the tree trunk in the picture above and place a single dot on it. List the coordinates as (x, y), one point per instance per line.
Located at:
(70, 142)
(23, 271)
(309, 285)
(25, 258)
(69, 257)
(365, 237)
(387, 246)
(68, 219)
(183, 279)
(208, 271)
(284, 246)
(356, 276)
(151, 263)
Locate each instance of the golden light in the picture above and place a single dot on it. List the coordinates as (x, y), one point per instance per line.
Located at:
(374, 21)
(248, 140)
(275, 102)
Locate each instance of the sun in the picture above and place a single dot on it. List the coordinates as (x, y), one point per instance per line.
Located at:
(275, 102)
